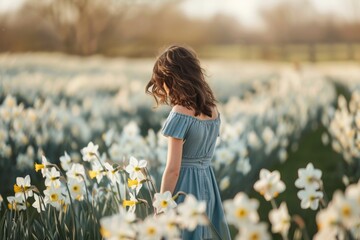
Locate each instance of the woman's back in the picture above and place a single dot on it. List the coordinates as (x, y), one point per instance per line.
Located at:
(199, 134)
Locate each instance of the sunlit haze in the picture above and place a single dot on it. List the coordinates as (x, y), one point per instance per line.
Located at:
(246, 11)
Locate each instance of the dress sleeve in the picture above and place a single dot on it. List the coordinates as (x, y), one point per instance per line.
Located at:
(176, 125)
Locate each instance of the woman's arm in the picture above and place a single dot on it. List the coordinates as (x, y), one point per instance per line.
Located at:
(173, 163)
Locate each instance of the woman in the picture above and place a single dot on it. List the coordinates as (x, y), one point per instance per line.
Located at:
(192, 128)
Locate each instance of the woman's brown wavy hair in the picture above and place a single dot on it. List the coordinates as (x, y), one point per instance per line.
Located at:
(179, 68)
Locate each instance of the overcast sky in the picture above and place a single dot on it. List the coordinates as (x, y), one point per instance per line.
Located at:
(246, 11)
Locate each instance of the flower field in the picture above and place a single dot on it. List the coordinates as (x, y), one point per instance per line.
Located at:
(81, 153)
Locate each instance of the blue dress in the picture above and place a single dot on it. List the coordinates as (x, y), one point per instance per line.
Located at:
(196, 174)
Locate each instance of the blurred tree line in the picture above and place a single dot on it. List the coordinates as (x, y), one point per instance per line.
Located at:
(139, 28)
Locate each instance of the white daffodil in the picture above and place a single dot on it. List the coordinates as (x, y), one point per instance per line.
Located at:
(329, 224)
(170, 222)
(16, 203)
(65, 161)
(135, 168)
(347, 209)
(97, 171)
(243, 165)
(90, 152)
(224, 156)
(330, 234)
(77, 171)
(241, 209)
(54, 197)
(328, 220)
(116, 152)
(118, 226)
(44, 166)
(224, 183)
(310, 198)
(192, 213)
(309, 177)
(280, 220)
(131, 203)
(253, 140)
(109, 136)
(150, 229)
(269, 185)
(135, 184)
(53, 178)
(256, 231)
(38, 204)
(164, 202)
(353, 192)
(131, 130)
(77, 189)
(112, 173)
(23, 187)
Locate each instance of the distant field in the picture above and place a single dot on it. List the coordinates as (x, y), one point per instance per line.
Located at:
(288, 52)
(271, 52)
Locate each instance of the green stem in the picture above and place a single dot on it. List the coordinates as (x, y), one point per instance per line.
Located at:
(273, 203)
(71, 203)
(42, 218)
(27, 214)
(151, 181)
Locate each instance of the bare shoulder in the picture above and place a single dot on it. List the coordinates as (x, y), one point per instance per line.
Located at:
(183, 110)
(215, 112)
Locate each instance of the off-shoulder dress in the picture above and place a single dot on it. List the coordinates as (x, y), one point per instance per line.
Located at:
(196, 174)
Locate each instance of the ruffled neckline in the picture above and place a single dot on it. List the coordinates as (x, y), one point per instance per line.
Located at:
(197, 119)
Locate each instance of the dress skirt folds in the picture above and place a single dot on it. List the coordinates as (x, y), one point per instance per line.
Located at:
(196, 174)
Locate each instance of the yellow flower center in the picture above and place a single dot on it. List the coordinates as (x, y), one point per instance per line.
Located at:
(75, 188)
(241, 213)
(194, 213)
(164, 204)
(12, 206)
(254, 236)
(346, 211)
(128, 203)
(151, 231)
(171, 225)
(39, 167)
(17, 188)
(132, 182)
(93, 174)
(137, 168)
(54, 197)
(105, 233)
